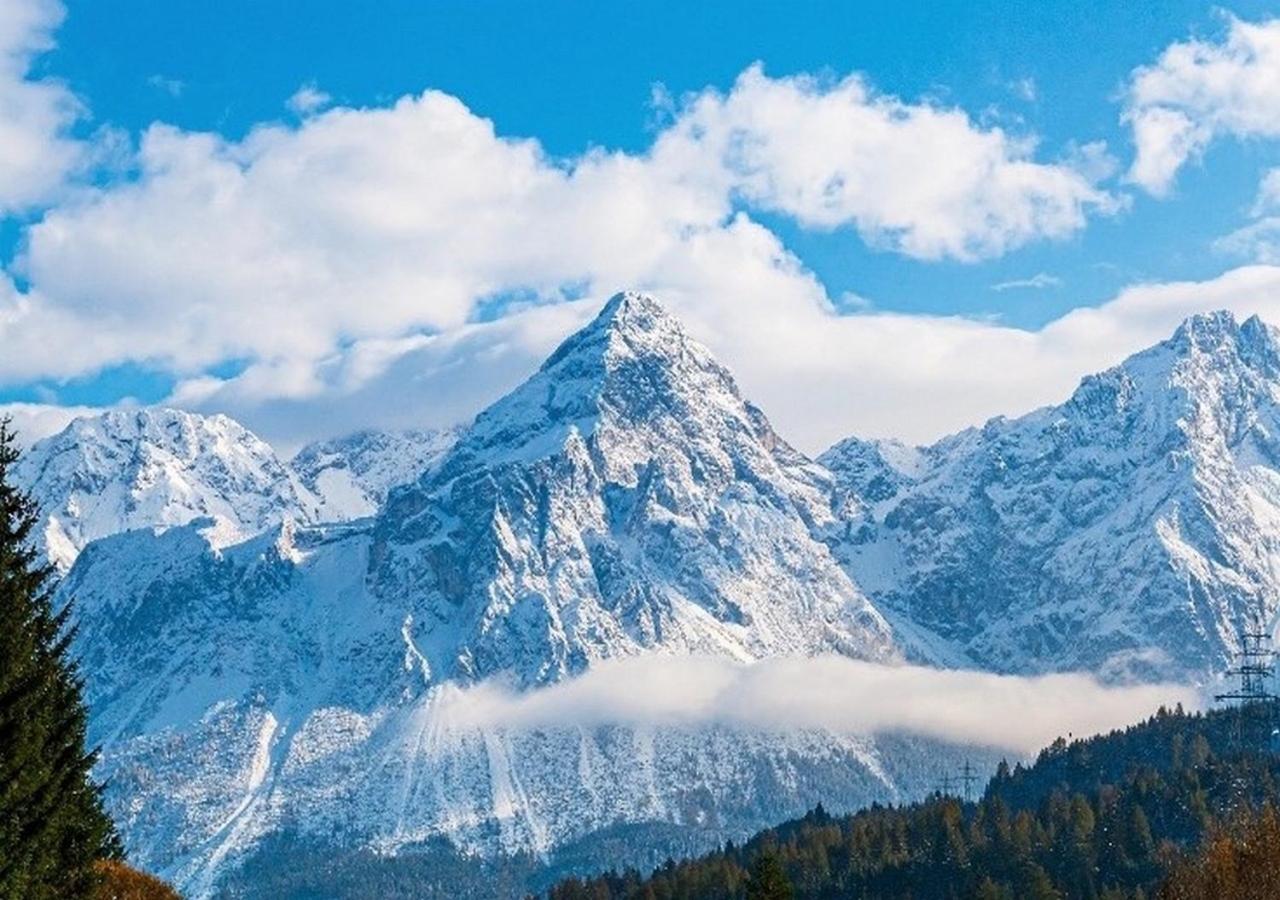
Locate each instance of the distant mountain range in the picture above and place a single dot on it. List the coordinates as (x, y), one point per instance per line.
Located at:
(267, 644)
(153, 468)
(1133, 530)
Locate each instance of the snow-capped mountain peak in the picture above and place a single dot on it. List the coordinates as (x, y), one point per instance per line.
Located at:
(1206, 383)
(629, 324)
(154, 467)
(634, 364)
(1141, 513)
(626, 496)
(626, 500)
(1214, 332)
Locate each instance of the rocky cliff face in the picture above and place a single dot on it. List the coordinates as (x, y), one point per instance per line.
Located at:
(1132, 530)
(625, 498)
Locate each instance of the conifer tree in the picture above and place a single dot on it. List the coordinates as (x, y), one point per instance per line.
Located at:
(52, 826)
(768, 880)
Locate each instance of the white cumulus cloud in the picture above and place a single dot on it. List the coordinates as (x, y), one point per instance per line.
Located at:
(1199, 90)
(37, 152)
(382, 223)
(921, 179)
(406, 264)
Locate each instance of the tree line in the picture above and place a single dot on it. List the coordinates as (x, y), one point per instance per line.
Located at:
(1164, 809)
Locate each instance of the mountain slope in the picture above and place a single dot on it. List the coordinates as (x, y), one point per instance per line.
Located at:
(625, 497)
(1104, 817)
(155, 467)
(351, 475)
(624, 500)
(627, 500)
(1132, 530)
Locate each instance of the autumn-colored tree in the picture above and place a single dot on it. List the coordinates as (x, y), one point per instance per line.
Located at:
(1239, 862)
(118, 881)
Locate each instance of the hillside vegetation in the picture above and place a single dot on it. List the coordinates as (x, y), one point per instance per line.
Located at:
(1166, 808)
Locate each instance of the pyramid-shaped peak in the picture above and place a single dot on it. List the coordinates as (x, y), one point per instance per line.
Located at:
(630, 324)
(632, 309)
(1208, 330)
(632, 366)
(637, 318)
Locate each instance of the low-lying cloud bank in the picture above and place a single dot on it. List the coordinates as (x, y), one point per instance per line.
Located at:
(830, 693)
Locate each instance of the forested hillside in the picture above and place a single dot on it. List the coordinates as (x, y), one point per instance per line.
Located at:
(1108, 817)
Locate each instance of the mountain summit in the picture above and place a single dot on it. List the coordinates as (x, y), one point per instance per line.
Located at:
(625, 497)
(1131, 530)
(634, 365)
(155, 468)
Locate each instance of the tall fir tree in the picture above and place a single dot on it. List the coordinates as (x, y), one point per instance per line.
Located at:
(768, 880)
(52, 825)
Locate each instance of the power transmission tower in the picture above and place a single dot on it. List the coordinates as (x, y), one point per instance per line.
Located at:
(967, 778)
(1254, 700)
(946, 786)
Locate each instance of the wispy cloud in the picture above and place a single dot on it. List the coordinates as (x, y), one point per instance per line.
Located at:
(171, 86)
(851, 301)
(1268, 199)
(1256, 242)
(308, 99)
(1039, 281)
(829, 693)
(1025, 88)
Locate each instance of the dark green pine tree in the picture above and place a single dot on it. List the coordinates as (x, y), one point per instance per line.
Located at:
(768, 880)
(52, 826)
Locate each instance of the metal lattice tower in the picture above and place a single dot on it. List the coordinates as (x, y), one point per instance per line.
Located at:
(959, 785)
(1253, 697)
(967, 778)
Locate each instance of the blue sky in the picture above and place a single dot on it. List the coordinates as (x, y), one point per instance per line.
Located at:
(577, 77)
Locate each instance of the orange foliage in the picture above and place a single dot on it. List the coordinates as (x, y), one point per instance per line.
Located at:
(1238, 863)
(120, 882)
